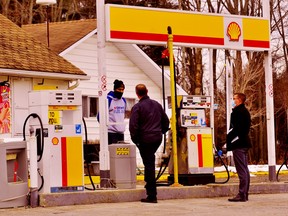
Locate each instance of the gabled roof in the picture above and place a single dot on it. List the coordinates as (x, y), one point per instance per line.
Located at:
(73, 31)
(61, 34)
(22, 54)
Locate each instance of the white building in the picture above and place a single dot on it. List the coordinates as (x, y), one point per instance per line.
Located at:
(25, 65)
(76, 41)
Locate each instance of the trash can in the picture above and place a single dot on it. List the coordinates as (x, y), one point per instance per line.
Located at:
(123, 165)
(14, 174)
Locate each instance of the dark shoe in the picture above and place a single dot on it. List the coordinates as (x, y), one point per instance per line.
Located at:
(238, 198)
(149, 200)
(247, 197)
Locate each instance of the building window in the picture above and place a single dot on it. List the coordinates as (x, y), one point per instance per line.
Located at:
(89, 106)
(130, 103)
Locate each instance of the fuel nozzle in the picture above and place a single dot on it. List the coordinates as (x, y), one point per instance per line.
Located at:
(31, 130)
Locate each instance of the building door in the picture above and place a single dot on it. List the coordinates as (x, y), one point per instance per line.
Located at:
(19, 101)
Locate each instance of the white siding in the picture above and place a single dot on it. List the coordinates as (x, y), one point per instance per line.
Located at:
(19, 101)
(20, 88)
(118, 66)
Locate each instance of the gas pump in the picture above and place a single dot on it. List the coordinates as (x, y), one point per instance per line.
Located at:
(200, 158)
(61, 165)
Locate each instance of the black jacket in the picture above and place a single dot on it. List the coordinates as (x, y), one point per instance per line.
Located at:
(240, 123)
(148, 121)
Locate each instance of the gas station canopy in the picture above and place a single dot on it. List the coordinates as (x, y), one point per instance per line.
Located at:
(140, 25)
(149, 26)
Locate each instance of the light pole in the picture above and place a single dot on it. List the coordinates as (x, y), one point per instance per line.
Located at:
(47, 3)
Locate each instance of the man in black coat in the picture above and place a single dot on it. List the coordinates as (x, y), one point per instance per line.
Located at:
(238, 142)
(148, 123)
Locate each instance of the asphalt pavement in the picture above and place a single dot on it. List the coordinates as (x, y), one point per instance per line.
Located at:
(258, 205)
(266, 198)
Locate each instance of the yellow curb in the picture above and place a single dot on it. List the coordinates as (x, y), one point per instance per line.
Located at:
(164, 177)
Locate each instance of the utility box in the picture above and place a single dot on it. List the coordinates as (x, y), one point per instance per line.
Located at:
(123, 165)
(14, 174)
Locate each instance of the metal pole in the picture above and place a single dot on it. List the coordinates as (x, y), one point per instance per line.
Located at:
(173, 105)
(269, 103)
(229, 90)
(212, 95)
(33, 171)
(163, 86)
(47, 20)
(164, 101)
(229, 98)
(270, 116)
(102, 92)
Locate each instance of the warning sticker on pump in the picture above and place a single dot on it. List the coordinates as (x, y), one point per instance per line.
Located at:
(122, 151)
(78, 128)
(58, 128)
(53, 117)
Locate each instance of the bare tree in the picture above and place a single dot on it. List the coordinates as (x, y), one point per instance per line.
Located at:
(190, 66)
(20, 12)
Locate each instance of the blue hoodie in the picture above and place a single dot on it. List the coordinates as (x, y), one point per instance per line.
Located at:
(116, 109)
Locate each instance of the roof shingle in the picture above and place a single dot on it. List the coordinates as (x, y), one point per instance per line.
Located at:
(61, 34)
(20, 51)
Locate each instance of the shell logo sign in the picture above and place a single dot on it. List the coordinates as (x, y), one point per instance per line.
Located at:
(142, 25)
(192, 137)
(233, 31)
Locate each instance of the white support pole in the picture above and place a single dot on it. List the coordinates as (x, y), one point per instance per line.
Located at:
(229, 90)
(269, 103)
(229, 98)
(102, 92)
(270, 115)
(211, 94)
(33, 162)
(33, 171)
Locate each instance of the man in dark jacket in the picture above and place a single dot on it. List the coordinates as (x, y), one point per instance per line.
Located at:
(238, 142)
(148, 123)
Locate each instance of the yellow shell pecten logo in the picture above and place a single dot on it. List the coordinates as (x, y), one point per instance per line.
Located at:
(233, 31)
(192, 137)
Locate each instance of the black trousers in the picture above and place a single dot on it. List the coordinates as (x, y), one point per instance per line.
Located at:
(147, 152)
(240, 157)
(115, 137)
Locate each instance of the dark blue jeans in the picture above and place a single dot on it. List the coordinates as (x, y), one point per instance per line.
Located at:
(147, 152)
(115, 138)
(240, 157)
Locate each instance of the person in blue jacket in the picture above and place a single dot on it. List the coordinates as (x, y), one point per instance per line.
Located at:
(116, 113)
(148, 123)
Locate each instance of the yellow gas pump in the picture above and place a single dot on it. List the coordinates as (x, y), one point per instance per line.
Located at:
(61, 165)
